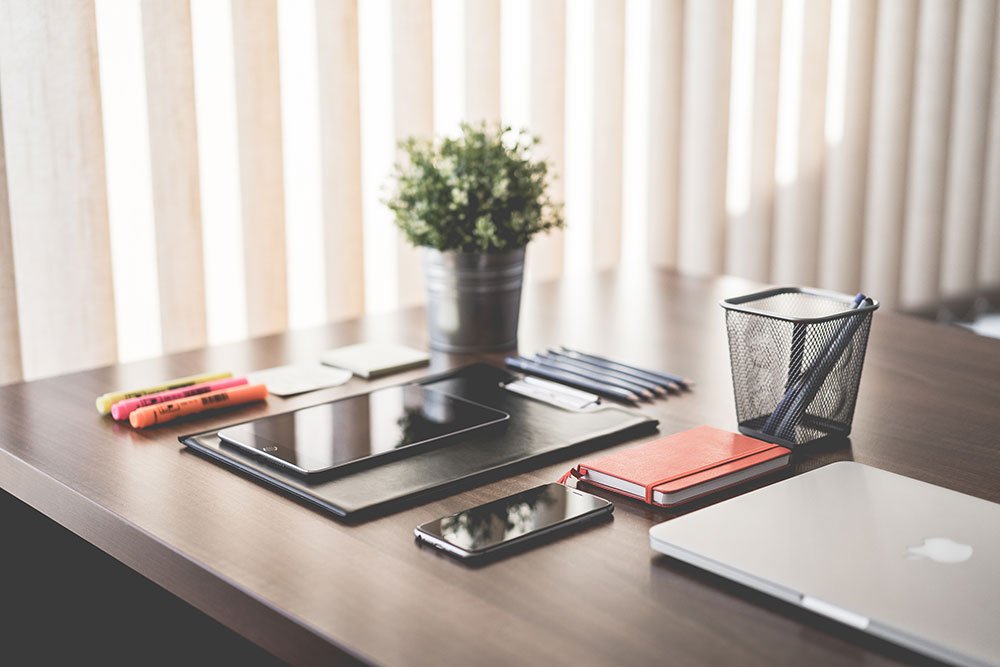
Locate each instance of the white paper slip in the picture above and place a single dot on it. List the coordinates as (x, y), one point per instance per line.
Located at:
(370, 360)
(298, 378)
(585, 396)
(553, 396)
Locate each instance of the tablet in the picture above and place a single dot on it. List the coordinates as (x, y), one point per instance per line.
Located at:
(346, 432)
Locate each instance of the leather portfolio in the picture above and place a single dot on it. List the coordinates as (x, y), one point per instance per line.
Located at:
(535, 433)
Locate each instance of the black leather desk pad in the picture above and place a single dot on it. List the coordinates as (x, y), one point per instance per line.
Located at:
(534, 431)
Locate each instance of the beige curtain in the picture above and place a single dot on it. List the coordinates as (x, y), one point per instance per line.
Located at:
(847, 144)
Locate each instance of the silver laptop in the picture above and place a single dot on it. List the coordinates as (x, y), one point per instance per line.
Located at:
(908, 561)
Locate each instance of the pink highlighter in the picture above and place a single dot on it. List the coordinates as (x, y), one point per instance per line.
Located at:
(122, 409)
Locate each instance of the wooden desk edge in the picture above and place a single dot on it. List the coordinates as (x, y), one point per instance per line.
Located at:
(214, 595)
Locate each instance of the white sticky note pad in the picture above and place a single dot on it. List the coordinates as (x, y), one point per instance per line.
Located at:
(298, 378)
(369, 360)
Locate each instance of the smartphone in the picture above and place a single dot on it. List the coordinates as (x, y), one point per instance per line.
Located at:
(346, 433)
(502, 524)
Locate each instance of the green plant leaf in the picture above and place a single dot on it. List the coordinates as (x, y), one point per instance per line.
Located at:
(482, 191)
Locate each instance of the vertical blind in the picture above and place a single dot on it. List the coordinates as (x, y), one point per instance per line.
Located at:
(178, 173)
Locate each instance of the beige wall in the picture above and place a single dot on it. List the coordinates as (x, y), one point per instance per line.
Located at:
(861, 140)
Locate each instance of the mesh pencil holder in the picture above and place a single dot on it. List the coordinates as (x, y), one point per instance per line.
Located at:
(796, 357)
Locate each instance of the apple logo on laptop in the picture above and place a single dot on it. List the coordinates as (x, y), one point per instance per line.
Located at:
(941, 550)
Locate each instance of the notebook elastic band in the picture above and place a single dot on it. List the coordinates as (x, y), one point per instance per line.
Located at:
(715, 464)
(574, 472)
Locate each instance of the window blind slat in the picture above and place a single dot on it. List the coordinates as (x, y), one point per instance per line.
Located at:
(968, 141)
(847, 145)
(665, 71)
(258, 111)
(892, 94)
(340, 137)
(173, 147)
(56, 185)
(608, 109)
(989, 257)
(547, 114)
(798, 212)
(704, 135)
(10, 339)
(413, 106)
(925, 201)
(748, 239)
(482, 60)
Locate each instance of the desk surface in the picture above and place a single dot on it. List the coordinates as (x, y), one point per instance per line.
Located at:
(304, 586)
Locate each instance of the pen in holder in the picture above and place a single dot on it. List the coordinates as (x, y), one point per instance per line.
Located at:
(796, 357)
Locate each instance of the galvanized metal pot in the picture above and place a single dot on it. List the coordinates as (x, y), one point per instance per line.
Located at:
(473, 299)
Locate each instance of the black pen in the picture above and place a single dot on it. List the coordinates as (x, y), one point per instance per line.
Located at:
(800, 394)
(595, 376)
(666, 380)
(587, 368)
(571, 380)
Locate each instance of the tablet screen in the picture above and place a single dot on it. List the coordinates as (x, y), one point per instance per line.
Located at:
(333, 434)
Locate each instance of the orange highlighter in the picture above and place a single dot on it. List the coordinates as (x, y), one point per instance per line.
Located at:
(224, 398)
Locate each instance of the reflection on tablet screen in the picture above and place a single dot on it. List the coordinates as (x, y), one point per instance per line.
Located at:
(333, 434)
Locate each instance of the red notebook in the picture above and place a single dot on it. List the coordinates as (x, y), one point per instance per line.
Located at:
(683, 466)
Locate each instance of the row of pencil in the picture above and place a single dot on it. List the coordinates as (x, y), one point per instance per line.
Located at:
(600, 375)
(180, 397)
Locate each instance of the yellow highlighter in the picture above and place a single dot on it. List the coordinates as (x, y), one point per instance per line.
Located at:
(105, 402)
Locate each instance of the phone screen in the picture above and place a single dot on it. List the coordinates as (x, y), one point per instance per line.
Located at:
(507, 519)
(326, 436)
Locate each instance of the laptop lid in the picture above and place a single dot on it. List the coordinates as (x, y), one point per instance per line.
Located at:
(909, 561)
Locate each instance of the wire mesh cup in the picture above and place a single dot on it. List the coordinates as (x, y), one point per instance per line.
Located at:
(796, 357)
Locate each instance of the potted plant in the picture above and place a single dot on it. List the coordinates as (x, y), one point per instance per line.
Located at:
(472, 203)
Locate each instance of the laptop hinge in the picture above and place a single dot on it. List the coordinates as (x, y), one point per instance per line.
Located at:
(836, 613)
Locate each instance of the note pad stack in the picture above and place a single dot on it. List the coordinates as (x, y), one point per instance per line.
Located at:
(683, 466)
(372, 360)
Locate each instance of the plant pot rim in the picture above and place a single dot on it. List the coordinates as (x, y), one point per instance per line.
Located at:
(472, 253)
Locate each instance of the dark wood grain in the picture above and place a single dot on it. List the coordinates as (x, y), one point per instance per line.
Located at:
(305, 587)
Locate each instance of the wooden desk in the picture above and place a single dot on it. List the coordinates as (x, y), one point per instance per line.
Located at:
(305, 587)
